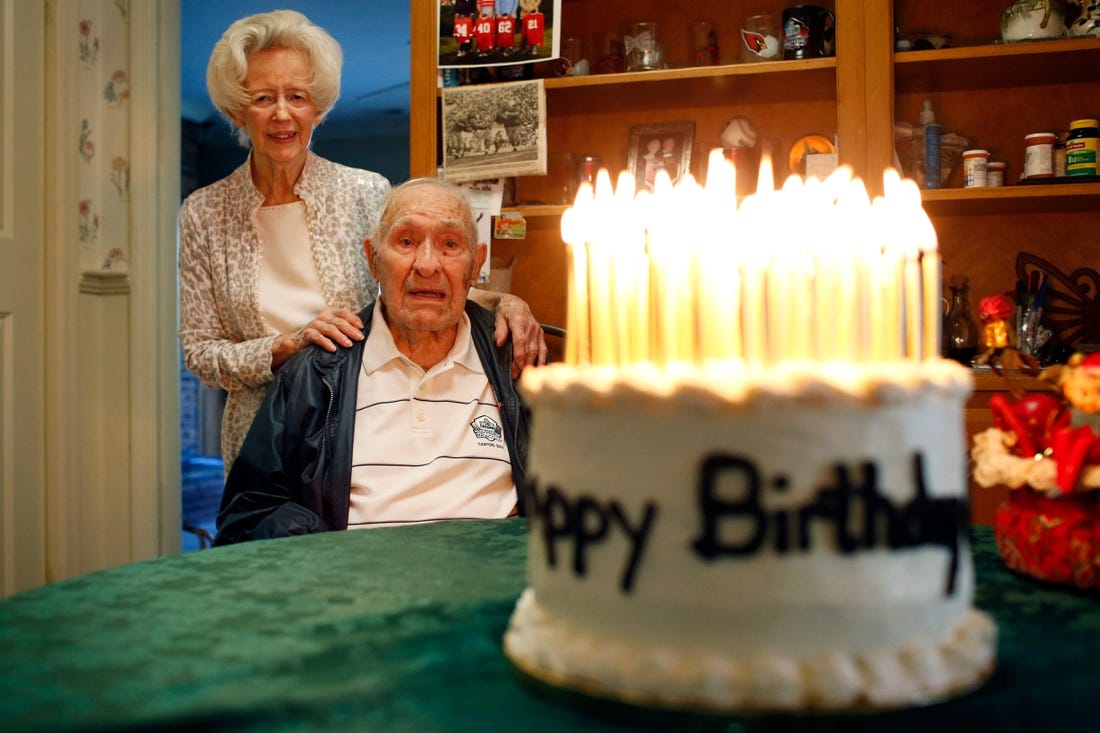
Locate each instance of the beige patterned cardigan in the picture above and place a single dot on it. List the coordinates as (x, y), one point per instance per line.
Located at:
(224, 338)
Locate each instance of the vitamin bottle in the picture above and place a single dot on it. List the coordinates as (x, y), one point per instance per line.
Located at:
(1081, 147)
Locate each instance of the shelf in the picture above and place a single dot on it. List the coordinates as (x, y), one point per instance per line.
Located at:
(765, 81)
(1056, 197)
(531, 211)
(773, 70)
(1000, 65)
(987, 380)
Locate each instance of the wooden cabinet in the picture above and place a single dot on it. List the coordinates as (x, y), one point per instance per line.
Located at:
(995, 94)
(992, 93)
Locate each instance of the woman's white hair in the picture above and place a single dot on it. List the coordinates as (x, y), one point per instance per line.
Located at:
(228, 66)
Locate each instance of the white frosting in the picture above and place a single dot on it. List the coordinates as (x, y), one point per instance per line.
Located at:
(772, 629)
(642, 673)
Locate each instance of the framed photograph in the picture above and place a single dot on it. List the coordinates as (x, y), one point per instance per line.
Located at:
(660, 147)
(499, 33)
(494, 130)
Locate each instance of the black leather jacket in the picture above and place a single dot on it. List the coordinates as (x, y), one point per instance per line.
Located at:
(293, 473)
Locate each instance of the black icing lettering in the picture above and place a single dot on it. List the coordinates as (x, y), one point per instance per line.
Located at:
(854, 510)
(638, 538)
(938, 521)
(712, 508)
(782, 527)
(555, 517)
(588, 531)
(586, 523)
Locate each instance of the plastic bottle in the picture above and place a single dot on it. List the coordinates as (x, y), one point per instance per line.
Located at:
(975, 166)
(1081, 147)
(1039, 154)
(931, 145)
(994, 174)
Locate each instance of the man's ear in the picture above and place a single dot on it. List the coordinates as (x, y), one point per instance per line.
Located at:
(370, 257)
(480, 254)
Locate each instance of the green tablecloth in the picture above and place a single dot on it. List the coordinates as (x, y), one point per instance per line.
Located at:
(399, 629)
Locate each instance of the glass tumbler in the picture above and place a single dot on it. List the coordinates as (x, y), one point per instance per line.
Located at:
(704, 43)
(761, 38)
(644, 51)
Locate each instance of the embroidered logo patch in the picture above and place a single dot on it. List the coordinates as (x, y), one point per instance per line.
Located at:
(486, 428)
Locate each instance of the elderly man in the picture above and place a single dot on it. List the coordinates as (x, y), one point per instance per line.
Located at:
(419, 421)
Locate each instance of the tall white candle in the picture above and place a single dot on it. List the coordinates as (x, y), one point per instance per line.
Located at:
(628, 238)
(575, 231)
(719, 267)
(601, 285)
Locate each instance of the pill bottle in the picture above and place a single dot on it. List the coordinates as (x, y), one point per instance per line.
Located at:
(1039, 155)
(974, 168)
(994, 173)
(1081, 147)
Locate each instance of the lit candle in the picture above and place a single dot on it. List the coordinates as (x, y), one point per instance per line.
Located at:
(574, 231)
(641, 315)
(719, 269)
(914, 344)
(890, 246)
(628, 238)
(753, 234)
(670, 269)
(780, 273)
(837, 272)
(931, 269)
(685, 228)
(600, 283)
(854, 211)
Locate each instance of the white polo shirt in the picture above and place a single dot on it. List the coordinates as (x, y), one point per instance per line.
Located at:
(428, 445)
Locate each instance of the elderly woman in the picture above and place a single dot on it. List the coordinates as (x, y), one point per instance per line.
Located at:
(271, 256)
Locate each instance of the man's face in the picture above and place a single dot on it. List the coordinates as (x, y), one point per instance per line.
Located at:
(426, 263)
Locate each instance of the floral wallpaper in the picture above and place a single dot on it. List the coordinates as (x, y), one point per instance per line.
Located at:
(102, 141)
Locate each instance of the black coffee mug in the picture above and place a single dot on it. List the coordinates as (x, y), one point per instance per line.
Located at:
(809, 32)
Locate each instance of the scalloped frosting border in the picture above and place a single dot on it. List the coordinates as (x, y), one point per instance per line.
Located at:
(733, 386)
(919, 673)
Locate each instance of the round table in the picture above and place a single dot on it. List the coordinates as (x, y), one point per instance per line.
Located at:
(399, 629)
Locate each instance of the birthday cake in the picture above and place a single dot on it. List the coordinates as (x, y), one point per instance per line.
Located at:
(750, 533)
(1045, 447)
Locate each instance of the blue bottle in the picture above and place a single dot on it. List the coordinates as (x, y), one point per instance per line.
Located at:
(931, 145)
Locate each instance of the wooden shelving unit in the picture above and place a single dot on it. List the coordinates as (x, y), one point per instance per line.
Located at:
(993, 93)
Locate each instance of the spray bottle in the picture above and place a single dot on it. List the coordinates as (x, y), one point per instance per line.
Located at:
(931, 145)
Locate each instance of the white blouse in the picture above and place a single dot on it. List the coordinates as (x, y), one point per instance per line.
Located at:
(290, 291)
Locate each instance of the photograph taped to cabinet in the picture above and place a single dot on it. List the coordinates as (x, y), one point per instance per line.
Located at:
(497, 32)
(494, 131)
(664, 147)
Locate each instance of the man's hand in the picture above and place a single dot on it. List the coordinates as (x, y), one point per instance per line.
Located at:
(514, 316)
